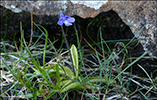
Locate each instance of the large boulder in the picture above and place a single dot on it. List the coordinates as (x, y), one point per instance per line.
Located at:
(135, 14)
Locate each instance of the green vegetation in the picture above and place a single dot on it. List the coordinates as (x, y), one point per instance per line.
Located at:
(93, 79)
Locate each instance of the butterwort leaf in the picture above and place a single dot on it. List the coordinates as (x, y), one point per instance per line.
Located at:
(75, 60)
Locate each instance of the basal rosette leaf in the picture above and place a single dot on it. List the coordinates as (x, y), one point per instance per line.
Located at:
(74, 55)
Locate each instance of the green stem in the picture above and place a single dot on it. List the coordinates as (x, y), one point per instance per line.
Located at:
(68, 48)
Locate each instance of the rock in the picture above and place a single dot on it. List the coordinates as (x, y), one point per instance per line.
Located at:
(135, 14)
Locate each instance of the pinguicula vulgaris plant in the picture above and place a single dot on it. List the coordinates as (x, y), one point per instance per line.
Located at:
(71, 79)
(67, 20)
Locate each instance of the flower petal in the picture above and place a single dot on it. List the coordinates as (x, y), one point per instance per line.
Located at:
(67, 20)
(61, 13)
(60, 22)
(71, 19)
(67, 23)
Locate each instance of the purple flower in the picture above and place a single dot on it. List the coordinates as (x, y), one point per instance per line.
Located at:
(67, 20)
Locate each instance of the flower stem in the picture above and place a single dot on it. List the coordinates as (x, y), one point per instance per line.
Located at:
(68, 48)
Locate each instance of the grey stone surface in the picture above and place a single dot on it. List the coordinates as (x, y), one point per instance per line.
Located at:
(135, 14)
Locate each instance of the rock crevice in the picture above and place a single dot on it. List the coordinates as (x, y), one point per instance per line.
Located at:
(135, 14)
